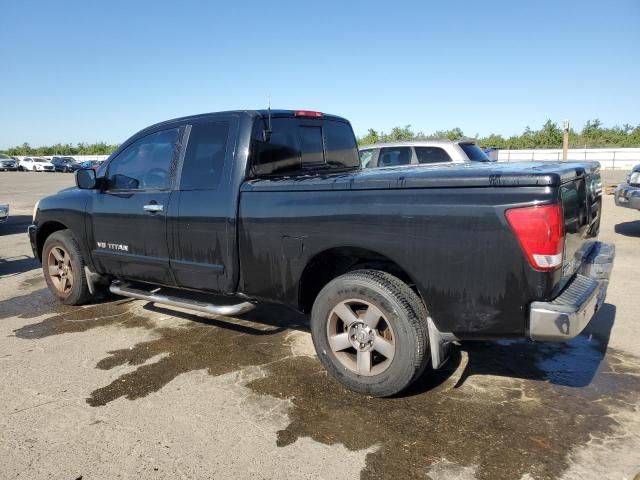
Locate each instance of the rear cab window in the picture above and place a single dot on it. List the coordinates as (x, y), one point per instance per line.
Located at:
(474, 152)
(204, 158)
(298, 146)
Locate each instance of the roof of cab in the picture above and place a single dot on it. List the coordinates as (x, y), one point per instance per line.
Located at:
(251, 113)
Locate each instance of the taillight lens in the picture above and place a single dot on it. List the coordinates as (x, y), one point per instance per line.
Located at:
(540, 231)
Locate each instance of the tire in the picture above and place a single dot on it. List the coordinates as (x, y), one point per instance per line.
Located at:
(63, 267)
(402, 323)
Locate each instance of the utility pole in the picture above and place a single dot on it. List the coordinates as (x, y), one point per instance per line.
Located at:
(565, 139)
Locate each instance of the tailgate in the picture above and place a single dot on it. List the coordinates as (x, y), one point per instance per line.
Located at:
(582, 206)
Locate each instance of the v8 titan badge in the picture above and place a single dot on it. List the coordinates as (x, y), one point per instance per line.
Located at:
(113, 246)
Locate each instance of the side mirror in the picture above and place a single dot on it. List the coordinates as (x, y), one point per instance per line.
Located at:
(86, 178)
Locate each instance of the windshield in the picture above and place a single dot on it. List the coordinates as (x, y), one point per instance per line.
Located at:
(474, 152)
(41, 160)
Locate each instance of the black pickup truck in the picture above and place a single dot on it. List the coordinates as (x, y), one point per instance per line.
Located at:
(392, 264)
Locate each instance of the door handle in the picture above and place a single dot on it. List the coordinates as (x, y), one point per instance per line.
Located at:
(153, 208)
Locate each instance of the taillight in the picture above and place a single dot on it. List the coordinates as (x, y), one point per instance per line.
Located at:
(307, 113)
(540, 231)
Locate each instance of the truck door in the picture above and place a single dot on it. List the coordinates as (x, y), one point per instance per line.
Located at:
(202, 218)
(128, 219)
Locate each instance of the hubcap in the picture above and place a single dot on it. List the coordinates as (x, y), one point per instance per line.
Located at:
(361, 337)
(60, 269)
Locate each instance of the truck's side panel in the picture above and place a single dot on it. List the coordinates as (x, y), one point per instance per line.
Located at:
(454, 244)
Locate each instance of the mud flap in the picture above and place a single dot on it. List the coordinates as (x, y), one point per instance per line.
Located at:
(439, 346)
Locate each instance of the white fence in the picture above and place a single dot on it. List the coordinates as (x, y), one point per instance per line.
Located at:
(609, 158)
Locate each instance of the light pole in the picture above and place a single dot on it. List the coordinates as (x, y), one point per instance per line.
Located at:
(565, 139)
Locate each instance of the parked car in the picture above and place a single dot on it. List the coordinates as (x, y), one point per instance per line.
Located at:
(36, 164)
(628, 194)
(392, 264)
(94, 164)
(7, 163)
(4, 213)
(64, 164)
(428, 152)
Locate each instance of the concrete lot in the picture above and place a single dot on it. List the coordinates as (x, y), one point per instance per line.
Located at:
(124, 389)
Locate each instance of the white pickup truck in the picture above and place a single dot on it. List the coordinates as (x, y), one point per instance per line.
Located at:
(424, 152)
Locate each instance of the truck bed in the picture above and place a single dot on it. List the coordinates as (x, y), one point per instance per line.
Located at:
(524, 174)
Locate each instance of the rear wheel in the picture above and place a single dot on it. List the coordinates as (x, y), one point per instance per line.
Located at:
(370, 332)
(63, 267)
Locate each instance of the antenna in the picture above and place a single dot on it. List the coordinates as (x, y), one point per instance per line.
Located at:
(266, 134)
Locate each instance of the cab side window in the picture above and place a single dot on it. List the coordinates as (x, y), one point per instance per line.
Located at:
(145, 164)
(204, 159)
(392, 156)
(365, 158)
(432, 155)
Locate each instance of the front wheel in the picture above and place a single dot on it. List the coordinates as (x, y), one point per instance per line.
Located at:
(370, 332)
(63, 267)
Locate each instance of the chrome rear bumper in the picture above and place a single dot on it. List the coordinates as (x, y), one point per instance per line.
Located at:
(567, 315)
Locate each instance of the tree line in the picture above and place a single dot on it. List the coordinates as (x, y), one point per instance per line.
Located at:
(26, 150)
(592, 135)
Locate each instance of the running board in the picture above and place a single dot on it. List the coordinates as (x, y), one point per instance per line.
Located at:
(118, 288)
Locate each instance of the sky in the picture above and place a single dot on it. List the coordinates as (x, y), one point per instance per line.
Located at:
(88, 71)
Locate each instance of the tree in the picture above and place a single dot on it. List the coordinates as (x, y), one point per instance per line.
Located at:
(593, 134)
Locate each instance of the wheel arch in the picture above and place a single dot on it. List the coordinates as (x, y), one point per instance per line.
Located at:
(331, 263)
(44, 231)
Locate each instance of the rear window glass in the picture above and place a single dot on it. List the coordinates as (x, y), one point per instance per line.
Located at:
(297, 146)
(392, 156)
(340, 145)
(432, 155)
(311, 145)
(474, 152)
(204, 158)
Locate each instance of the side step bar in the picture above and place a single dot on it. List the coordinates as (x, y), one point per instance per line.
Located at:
(118, 288)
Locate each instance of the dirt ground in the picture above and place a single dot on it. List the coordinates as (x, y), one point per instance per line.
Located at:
(125, 389)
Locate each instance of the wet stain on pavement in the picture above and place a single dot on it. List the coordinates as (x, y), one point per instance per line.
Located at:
(81, 319)
(505, 408)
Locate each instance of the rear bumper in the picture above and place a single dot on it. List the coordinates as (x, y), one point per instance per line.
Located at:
(627, 196)
(567, 315)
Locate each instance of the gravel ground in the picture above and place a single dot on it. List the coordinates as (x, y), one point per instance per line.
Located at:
(124, 389)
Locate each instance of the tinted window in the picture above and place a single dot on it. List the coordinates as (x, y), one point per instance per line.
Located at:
(431, 155)
(145, 164)
(474, 152)
(204, 158)
(311, 145)
(365, 158)
(281, 154)
(295, 144)
(340, 145)
(391, 156)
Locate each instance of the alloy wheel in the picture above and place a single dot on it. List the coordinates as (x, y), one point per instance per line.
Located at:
(60, 269)
(361, 337)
